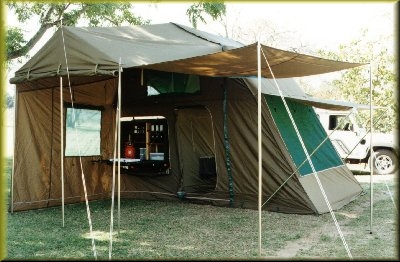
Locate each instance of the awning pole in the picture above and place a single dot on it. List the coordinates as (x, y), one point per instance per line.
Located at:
(259, 147)
(372, 156)
(309, 159)
(62, 148)
(113, 185)
(119, 144)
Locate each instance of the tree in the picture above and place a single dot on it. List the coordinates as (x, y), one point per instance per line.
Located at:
(213, 9)
(50, 15)
(8, 101)
(354, 84)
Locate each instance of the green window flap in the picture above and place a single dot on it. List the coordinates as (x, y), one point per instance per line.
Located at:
(311, 132)
(168, 82)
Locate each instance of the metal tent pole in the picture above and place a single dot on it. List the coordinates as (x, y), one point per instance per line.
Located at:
(119, 144)
(372, 156)
(259, 147)
(309, 159)
(62, 148)
(113, 185)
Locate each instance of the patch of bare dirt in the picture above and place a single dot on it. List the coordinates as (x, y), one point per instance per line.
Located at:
(306, 242)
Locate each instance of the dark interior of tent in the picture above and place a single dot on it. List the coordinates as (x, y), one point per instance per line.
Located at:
(167, 122)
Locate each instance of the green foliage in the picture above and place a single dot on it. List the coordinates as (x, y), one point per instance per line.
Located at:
(14, 40)
(8, 101)
(111, 14)
(354, 84)
(91, 14)
(97, 14)
(70, 14)
(196, 11)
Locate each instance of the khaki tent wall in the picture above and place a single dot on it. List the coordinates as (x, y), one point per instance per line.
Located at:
(37, 167)
(339, 184)
(231, 103)
(37, 179)
(277, 164)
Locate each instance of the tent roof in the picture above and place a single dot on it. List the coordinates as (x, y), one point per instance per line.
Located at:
(97, 50)
(94, 53)
(166, 47)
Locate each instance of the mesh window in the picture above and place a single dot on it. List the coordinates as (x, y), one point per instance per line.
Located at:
(82, 133)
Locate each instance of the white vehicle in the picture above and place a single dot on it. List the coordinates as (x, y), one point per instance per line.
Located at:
(352, 141)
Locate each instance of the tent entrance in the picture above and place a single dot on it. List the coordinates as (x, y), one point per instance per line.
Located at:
(196, 149)
(145, 146)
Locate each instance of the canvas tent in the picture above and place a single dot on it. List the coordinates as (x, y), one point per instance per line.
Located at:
(202, 86)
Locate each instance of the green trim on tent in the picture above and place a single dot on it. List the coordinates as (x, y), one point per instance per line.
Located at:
(167, 82)
(310, 130)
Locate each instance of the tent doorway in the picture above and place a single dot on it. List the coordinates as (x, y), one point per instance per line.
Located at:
(196, 149)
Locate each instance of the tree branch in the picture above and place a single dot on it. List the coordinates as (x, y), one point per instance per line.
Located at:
(46, 24)
(31, 43)
(48, 14)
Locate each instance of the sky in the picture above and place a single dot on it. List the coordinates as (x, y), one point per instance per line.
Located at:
(322, 25)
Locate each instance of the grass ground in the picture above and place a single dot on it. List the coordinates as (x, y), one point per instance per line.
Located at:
(156, 230)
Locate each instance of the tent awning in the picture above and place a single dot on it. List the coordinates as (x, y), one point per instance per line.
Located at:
(242, 62)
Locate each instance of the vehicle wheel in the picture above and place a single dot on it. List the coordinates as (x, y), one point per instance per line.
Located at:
(385, 162)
